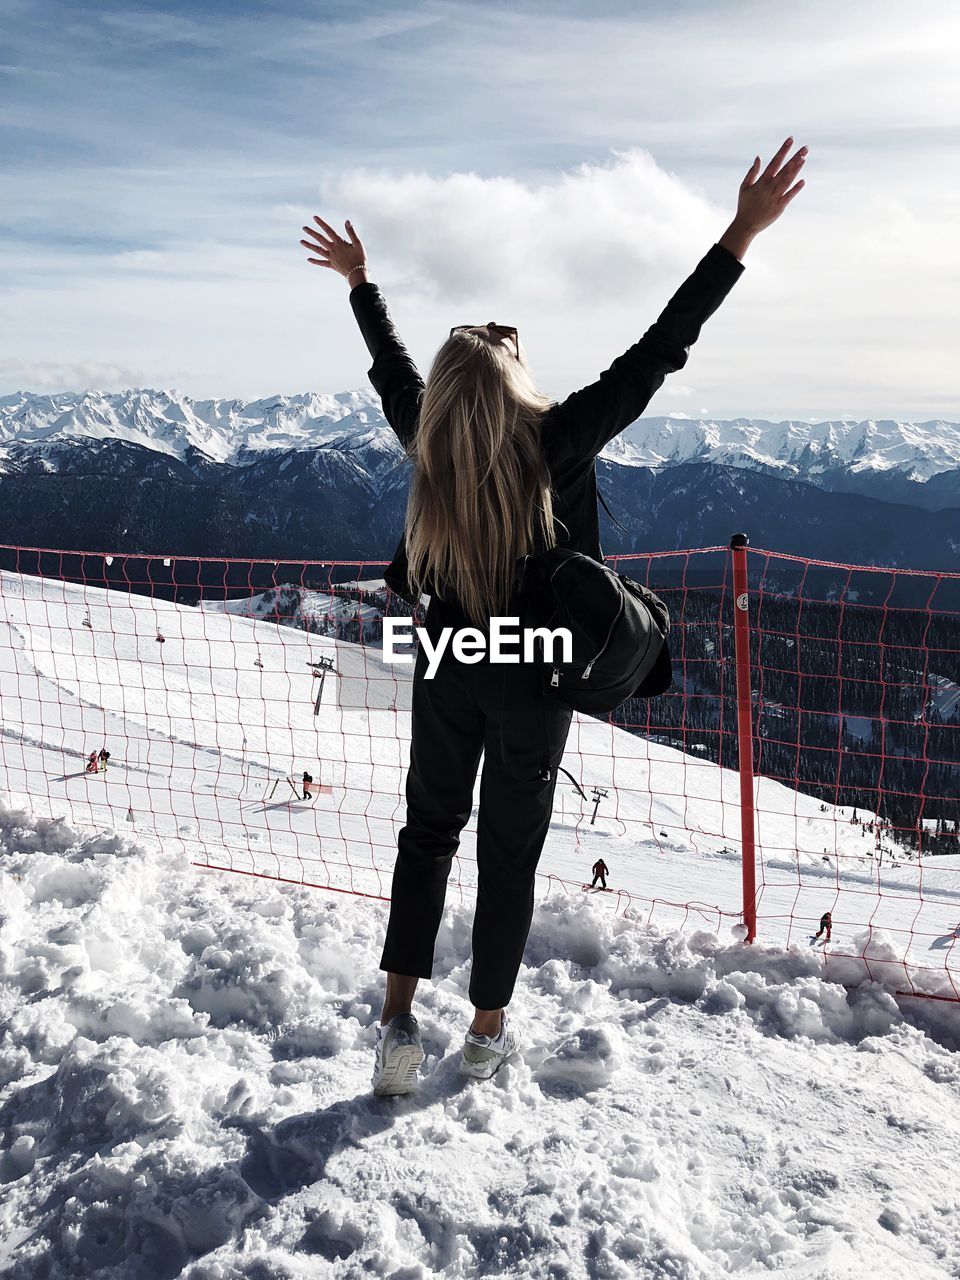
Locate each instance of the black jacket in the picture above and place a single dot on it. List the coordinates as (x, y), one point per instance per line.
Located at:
(575, 429)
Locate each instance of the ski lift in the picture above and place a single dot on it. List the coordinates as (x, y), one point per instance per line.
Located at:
(86, 621)
(320, 668)
(258, 663)
(599, 793)
(161, 639)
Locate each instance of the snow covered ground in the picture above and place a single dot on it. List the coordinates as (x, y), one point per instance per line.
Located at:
(205, 728)
(184, 1091)
(292, 605)
(185, 1055)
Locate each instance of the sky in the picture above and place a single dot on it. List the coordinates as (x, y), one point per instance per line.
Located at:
(557, 166)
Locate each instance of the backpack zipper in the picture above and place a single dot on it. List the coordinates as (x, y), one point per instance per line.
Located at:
(555, 677)
(589, 667)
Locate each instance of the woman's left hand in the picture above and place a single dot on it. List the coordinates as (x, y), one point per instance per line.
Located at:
(343, 256)
(764, 196)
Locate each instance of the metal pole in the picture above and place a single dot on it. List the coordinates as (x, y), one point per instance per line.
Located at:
(741, 636)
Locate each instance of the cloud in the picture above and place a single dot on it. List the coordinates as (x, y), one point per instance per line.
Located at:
(83, 375)
(619, 225)
(672, 388)
(558, 167)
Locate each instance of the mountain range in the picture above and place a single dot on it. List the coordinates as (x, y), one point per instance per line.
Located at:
(322, 476)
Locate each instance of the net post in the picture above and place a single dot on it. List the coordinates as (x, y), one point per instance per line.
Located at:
(741, 637)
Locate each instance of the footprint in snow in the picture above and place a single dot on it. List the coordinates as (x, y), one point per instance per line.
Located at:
(583, 1062)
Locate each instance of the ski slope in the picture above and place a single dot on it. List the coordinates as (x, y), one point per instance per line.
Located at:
(207, 712)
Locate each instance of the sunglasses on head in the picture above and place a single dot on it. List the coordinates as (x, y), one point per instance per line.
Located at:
(504, 330)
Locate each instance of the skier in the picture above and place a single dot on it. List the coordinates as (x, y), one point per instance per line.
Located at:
(103, 757)
(599, 871)
(307, 784)
(92, 765)
(499, 471)
(826, 924)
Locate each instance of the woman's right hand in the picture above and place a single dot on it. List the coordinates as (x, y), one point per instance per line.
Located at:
(343, 256)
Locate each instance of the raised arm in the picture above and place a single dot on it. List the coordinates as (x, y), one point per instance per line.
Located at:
(393, 374)
(591, 417)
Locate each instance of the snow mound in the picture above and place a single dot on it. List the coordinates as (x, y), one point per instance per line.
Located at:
(184, 1091)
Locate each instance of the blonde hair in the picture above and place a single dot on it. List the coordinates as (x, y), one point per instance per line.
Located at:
(480, 492)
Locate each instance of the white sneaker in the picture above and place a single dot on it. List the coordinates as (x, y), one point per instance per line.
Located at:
(399, 1054)
(485, 1055)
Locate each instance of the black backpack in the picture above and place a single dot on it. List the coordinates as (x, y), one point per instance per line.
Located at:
(619, 630)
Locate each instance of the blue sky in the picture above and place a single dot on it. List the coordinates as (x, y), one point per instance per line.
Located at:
(557, 166)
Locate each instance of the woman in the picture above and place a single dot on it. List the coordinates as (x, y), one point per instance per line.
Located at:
(499, 471)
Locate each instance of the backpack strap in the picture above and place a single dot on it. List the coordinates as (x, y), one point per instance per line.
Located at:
(579, 789)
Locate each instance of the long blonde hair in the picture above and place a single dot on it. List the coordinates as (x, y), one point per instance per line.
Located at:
(481, 489)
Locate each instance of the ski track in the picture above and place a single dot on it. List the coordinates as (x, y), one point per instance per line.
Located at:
(199, 736)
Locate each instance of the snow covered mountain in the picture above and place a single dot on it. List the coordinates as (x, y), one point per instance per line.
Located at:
(324, 475)
(797, 450)
(173, 424)
(232, 430)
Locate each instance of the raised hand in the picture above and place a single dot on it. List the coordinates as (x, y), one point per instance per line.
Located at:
(764, 196)
(346, 257)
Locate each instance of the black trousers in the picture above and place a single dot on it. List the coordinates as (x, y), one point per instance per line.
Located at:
(496, 710)
(601, 876)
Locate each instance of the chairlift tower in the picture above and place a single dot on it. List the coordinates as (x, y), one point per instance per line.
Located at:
(599, 793)
(320, 669)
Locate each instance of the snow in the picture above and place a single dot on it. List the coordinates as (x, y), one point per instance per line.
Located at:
(203, 739)
(795, 449)
(171, 423)
(293, 605)
(184, 1091)
(236, 431)
(944, 695)
(185, 1054)
(365, 584)
(859, 727)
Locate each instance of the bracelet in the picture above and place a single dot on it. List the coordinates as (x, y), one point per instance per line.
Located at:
(360, 267)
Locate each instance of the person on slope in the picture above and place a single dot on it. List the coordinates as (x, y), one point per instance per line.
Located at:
(826, 925)
(92, 765)
(103, 757)
(599, 871)
(499, 471)
(307, 784)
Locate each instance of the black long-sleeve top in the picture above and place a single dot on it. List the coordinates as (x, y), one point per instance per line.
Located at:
(573, 430)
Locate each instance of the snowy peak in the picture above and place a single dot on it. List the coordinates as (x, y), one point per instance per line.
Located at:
(796, 449)
(232, 431)
(171, 423)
